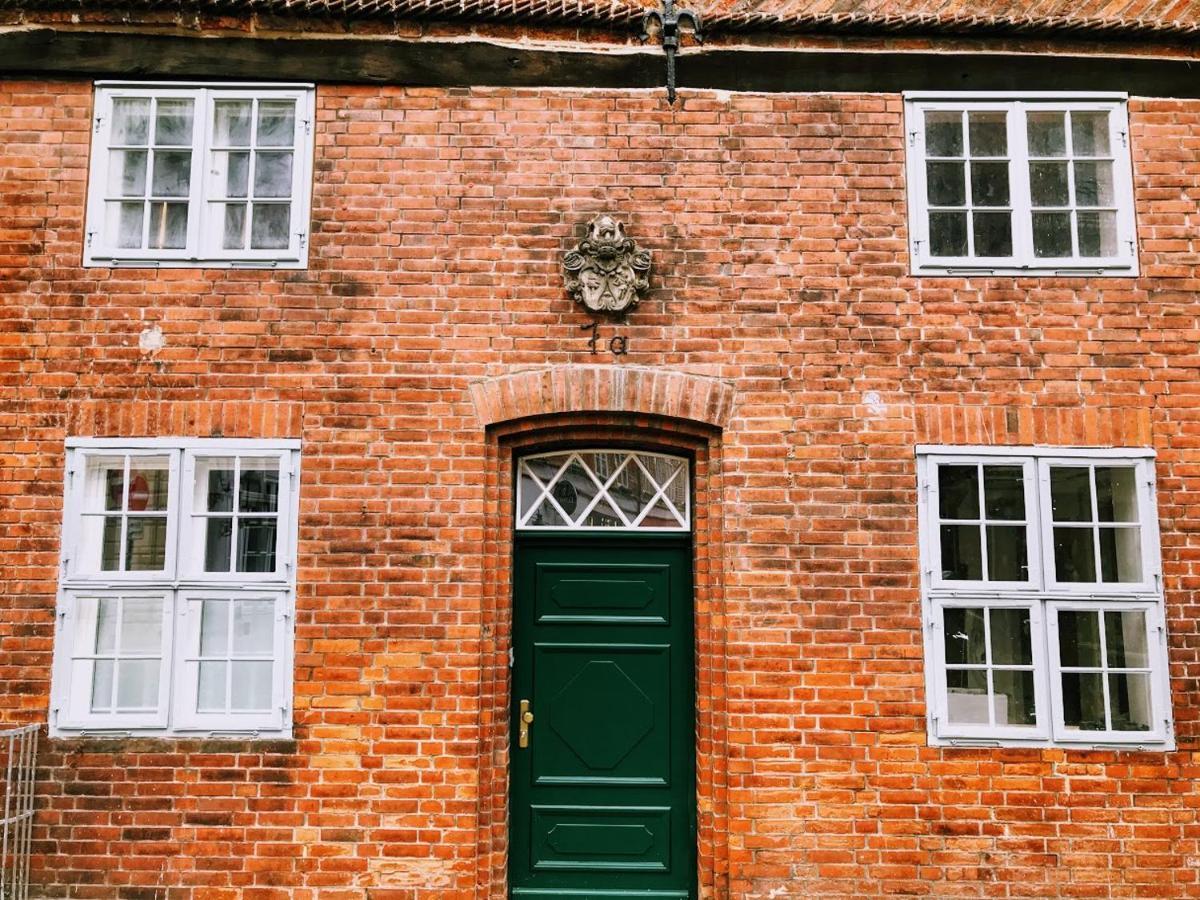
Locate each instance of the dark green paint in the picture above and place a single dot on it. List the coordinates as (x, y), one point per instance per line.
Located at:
(603, 799)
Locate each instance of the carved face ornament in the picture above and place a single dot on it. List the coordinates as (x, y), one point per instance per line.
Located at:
(606, 271)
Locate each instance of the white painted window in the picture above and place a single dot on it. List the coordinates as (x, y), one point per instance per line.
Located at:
(212, 175)
(1029, 184)
(1042, 596)
(603, 489)
(177, 591)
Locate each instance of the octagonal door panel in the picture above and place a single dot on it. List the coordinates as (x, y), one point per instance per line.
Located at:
(603, 796)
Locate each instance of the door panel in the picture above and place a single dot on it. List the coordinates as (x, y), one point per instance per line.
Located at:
(603, 593)
(603, 798)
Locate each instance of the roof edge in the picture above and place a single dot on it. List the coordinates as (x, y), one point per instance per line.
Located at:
(738, 19)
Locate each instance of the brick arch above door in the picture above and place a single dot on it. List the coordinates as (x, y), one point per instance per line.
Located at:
(611, 389)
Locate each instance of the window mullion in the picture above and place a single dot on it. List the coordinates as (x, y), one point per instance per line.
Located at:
(986, 571)
(1099, 563)
(198, 239)
(1022, 198)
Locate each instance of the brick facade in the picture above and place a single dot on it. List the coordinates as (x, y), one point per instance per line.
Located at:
(430, 336)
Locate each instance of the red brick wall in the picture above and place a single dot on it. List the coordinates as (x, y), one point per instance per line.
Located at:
(778, 227)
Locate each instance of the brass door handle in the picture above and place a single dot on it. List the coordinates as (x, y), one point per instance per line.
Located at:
(526, 718)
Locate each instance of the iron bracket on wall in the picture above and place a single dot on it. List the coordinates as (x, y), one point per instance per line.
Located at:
(669, 19)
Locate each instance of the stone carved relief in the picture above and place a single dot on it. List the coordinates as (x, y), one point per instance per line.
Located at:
(606, 271)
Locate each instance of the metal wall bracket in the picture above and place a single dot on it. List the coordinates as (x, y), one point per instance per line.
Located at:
(668, 20)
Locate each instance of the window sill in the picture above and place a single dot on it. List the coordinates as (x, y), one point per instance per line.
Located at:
(109, 736)
(197, 263)
(932, 270)
(981, 743)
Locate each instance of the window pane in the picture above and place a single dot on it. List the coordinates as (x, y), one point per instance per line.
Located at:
(1083, 701)
(219, 497)
(967, 696)
(231, 126)
(1012, 643)
(149, 480)
(253, 626)
(1051, 234)
(113, 472)
(1071, 493)
(961, 555)
(168, 226)
(1014, 700)
(145, 543)
(1093, 184)
(943, 134)
(141, 625)
(958, 492)
(256, 545)
(1008, 555)
(273, 175)
(127, 173)
(211, 693)
(124, 220)
(231, 174)
(1089, 133)
(218, 537)
(251, 686)
(276, 123)
(993, 234)
(1097, 233)
(110, 547)
(1004, 492)
(988, 133)
(173, 125)
(1074, 555)
(989, 184)
(946, 183)
(269, 226)
(234, 235)
(1116, 494)
(1120, 555)
(632, 491)
(137, 684)
(1129, 701)
(964, 638)
(259, 489)
(102, 685)
(106, 625)
(1125, 639)
(604, 516)
(1079, 638)
(948, 233)
(131, 121)
(1047, 134)
(546, 516)
(172, 174)
(214, 628)
(1048, 184)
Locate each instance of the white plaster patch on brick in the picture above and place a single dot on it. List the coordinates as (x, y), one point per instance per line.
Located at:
(874, 403)
(151, 340)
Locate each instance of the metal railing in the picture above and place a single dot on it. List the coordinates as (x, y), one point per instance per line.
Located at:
(18, 753)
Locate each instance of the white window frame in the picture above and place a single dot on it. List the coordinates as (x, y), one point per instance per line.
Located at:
(1159, 679)
(682, 516)
(1044, 596)
(179, 585)
(186, 712)
(204, 227)
(1023, 261)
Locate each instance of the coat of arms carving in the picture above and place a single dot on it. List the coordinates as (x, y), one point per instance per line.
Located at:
(606, 271)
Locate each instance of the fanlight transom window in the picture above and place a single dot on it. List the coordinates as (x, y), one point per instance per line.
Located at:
(603, 489)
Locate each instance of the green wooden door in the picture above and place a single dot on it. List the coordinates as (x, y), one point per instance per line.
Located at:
(603, 797)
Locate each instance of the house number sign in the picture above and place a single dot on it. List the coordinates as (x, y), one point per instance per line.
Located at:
(618, 344)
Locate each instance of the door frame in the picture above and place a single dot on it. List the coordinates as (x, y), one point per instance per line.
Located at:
(676, 540)
(504, 442)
